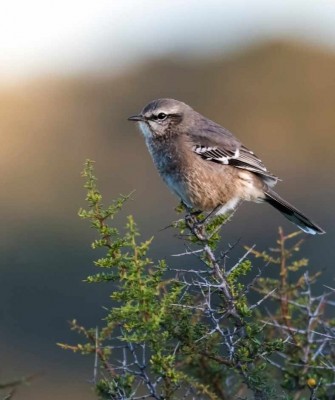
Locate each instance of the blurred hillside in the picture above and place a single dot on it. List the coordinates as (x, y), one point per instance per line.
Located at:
(278, 98)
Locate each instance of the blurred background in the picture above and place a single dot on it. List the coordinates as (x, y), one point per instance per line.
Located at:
(71, 72)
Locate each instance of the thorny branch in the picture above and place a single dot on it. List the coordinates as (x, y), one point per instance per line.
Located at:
(200, 335)
(216, 305)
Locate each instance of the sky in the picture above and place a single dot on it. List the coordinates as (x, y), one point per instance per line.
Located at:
(40, 37)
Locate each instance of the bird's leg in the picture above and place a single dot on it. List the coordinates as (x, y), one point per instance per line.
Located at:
(191, 212)
(201, 225)
(198, 228)
(216, 212)
(194, 214)
(211, 214)
(194, 225)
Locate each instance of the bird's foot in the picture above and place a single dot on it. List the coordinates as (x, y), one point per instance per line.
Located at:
(195, 226)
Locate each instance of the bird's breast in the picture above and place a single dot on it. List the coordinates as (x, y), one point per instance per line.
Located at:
(165, 156)
(170, 163)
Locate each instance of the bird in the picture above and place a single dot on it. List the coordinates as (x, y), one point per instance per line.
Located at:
(206, 166)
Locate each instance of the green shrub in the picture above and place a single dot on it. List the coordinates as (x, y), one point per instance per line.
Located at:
(195, 333)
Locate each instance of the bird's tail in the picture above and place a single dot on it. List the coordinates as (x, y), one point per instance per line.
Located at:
(291, 213)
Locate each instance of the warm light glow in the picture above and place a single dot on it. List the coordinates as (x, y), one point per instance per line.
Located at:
(39, 36)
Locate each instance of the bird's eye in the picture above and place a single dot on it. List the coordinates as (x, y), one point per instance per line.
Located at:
(161, 116)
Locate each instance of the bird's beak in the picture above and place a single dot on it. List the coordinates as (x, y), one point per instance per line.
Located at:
(136, 118)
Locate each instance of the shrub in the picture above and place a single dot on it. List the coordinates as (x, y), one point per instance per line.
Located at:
(214, 332)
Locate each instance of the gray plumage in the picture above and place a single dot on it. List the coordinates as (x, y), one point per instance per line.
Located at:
(205, 165)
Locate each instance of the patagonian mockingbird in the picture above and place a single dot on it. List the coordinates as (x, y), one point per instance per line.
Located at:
(206, 166)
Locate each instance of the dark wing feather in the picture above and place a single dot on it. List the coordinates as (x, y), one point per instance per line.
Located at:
(216, 144)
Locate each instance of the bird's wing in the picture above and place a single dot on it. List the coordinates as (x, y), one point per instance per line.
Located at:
(216, 144)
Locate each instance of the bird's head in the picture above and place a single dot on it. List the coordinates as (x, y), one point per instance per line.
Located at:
(161, 117)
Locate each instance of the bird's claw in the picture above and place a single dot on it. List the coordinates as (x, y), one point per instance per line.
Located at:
(196, 227)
